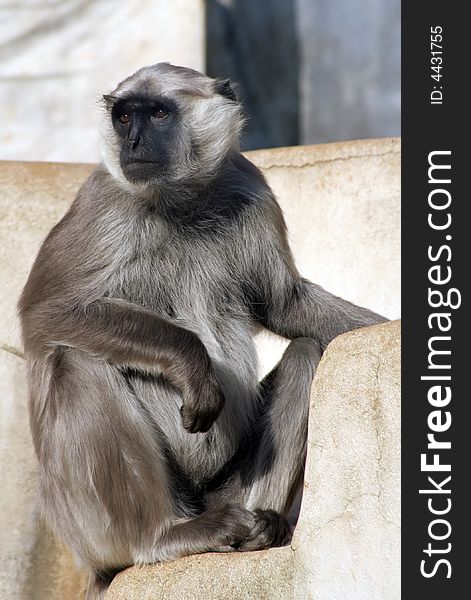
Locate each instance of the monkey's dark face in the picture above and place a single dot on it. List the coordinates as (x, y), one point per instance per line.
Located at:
(146, 127)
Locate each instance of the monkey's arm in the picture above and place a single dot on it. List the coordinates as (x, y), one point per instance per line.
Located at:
(127, 334)
(282, 300)
(304, 309)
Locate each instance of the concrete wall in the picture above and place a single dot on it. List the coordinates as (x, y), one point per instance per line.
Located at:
(58, 58)
(341, 203)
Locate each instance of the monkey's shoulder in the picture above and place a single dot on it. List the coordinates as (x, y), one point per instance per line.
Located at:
(99, 183)
(241, 191)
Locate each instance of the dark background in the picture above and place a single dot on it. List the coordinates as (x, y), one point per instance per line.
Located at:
(310, 71)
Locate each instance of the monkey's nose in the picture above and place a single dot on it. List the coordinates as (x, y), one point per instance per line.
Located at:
(134, 141)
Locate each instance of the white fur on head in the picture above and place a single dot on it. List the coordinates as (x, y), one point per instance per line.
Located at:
(210, 127)
(215, 124)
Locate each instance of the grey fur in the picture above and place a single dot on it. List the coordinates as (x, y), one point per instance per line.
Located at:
(143, 299)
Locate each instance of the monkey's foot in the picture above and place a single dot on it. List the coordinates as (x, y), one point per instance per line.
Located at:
(271, 530)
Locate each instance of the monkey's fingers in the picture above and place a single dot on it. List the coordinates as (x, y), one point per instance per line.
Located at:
(199, 418)
(195, 422)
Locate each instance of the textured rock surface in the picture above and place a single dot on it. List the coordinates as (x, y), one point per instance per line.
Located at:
(341, 202)
(265, 575)
(347, 542)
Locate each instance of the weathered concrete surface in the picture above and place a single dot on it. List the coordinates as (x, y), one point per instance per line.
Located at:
(265, 575)
(341, 202)
(347, 542)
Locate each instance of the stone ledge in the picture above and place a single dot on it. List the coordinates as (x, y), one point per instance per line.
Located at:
(310, 155)
(347, 542)
(264, 575)
(290, 156)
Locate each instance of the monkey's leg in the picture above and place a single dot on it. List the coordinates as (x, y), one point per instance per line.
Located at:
(277, 468)
(98, 584)
(281, 449)
(104, 480)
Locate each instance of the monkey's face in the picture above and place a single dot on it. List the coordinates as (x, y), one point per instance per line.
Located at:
(167, 125)
(147, 127)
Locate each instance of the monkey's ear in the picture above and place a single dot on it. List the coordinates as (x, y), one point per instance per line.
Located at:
(225, 88)
(109, 100)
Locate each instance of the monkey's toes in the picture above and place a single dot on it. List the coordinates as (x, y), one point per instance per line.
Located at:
(271, 530)
(233, 523)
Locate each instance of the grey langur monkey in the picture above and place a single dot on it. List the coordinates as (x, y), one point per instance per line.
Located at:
(154, 437)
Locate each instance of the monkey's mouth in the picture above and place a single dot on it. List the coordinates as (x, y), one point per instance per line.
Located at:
(140, 170)
(139, 161)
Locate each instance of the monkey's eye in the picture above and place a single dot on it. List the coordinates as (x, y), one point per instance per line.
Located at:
(124, 119)
(160, 113)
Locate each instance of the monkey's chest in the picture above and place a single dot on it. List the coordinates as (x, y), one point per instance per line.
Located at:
(190, 286)
(196, 291)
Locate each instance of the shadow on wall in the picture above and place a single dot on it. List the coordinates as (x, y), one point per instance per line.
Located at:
(256, 45)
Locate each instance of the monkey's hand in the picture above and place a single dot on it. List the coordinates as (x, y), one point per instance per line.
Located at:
(127, 334)
(202, 403)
